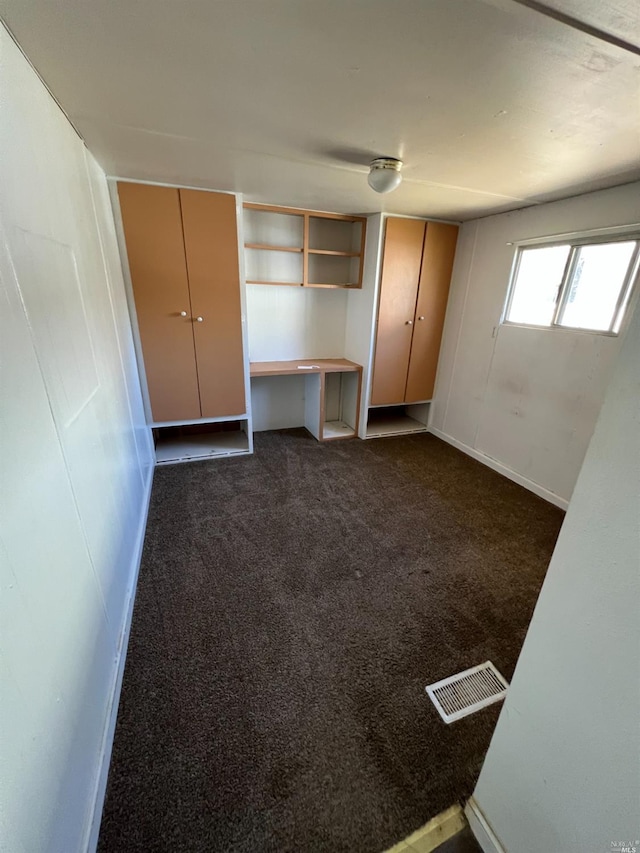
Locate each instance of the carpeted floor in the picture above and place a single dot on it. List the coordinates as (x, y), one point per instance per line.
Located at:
(291, 608)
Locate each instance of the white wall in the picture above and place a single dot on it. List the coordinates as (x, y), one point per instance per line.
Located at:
(527, 398)
(286, 323)
(75, 462)
(563, 769)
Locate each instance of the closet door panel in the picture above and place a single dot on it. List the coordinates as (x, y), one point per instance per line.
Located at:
(211, 246)
(435, 277)
(155, 250)
(398, 291)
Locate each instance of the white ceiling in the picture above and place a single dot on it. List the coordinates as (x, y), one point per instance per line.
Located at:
(491, 105)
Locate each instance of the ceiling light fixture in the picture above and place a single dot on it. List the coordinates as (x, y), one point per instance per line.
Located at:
(384, 174)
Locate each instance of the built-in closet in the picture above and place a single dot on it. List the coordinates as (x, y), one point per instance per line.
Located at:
(414, 285)
(395, 325)
(182, 250)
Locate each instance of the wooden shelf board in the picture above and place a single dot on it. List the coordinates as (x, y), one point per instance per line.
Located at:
(302, 366)
(300, 284)
(268, 248)
(334, 253)
(280, 283)
(298, 211)
(353, 285)
(204, 446)
(332, 430)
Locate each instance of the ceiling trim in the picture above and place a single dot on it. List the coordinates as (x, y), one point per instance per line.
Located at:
(117, 179)
(41, 79)
(577, 24)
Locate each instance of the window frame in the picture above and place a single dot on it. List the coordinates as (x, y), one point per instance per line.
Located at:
(575, 243)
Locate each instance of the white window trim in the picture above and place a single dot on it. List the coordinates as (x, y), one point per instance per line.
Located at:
(618, 234)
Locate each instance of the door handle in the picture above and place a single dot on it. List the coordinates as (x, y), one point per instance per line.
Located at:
(409, 323)
(199, 319)
(183, 313)
(420, 318)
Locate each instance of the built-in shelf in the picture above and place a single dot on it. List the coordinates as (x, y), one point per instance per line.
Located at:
(337, 429)
(397, 420)
(340, 405)
(335, 233)
(264, 247)
(193, 442)
(287, 246)
(334, 286)
(280, 283)
(398, 425)
(300, 284)
(336, 254)
(271, 265)
(271, 226)
(333, 268)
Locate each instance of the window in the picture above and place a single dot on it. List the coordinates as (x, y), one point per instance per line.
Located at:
(573, 285)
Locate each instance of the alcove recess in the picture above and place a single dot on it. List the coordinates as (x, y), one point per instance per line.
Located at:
(190, 442)
(303, 248)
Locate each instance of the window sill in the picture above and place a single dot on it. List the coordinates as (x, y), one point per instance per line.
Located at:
(558, 328)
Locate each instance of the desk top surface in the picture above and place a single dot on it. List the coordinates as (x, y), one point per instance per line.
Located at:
(302, 366)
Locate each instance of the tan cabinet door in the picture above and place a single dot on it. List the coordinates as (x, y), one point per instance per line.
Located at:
(211, 247)
(155, 248)
(435, 277)
(398, 291)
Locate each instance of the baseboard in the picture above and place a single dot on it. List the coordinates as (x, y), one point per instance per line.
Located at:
(430, 836)
(93, 831)
(502, 469)
(484, 835)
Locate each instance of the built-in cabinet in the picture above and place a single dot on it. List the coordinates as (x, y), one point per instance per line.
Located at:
(182, 250)
(414, 285)
(152, 223)
(211, 250)
(394, 324)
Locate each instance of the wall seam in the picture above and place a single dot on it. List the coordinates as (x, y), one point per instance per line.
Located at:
(56, 428)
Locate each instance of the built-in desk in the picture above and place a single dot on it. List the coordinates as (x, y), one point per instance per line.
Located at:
(332, 392)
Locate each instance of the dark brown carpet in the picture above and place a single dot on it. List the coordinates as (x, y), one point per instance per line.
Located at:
(291, 608)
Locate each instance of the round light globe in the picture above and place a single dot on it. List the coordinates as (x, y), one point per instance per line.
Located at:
(384, 175)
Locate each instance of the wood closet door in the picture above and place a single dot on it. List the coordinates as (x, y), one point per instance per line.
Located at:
(211, 247)
(435, 277)
(398, 291)
(155, 249)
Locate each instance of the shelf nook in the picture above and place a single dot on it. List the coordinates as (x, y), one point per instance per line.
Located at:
(191, 442)
(287, 246)
(397, 420)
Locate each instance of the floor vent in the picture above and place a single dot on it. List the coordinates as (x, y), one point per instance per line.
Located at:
(467, 692)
